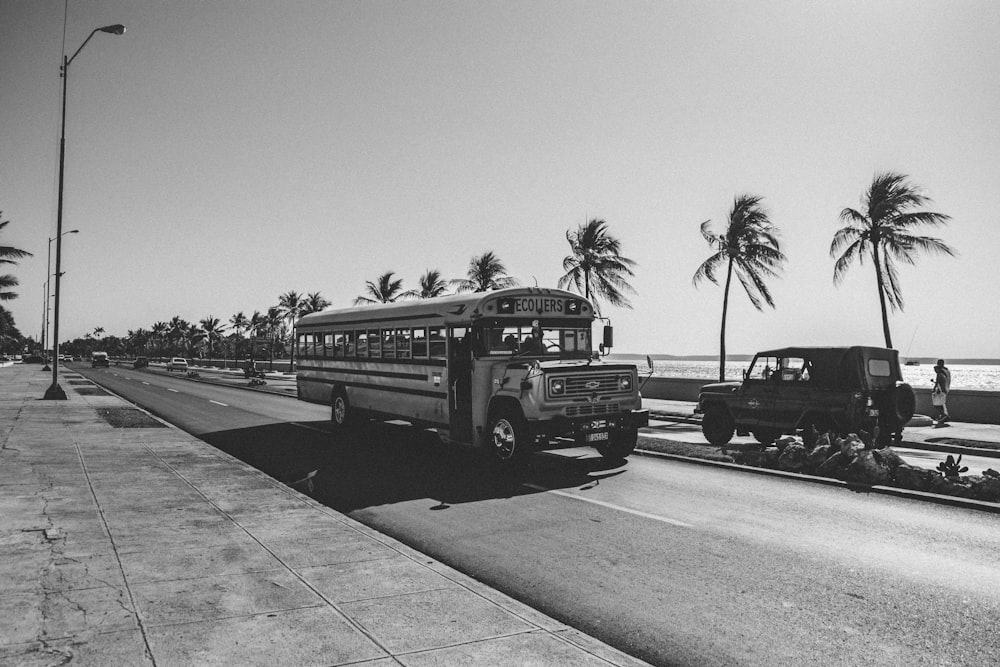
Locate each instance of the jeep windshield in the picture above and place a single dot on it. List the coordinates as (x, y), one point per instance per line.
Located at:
(513, 339)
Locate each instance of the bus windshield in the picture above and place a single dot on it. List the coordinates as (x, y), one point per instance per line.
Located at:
(514, 339)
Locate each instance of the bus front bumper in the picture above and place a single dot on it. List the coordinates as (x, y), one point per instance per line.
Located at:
(590, 429)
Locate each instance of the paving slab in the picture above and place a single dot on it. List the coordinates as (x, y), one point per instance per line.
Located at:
(143, 546)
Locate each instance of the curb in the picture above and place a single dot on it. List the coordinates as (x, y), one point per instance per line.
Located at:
(955, 501)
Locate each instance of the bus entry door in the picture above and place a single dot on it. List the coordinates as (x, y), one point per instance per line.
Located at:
(460, 384)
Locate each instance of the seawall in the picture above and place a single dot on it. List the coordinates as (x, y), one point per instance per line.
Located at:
(964, 405)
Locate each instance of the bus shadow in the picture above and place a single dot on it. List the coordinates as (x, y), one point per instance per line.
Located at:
(380, 464)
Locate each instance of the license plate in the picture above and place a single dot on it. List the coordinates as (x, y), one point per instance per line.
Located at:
(594, 437)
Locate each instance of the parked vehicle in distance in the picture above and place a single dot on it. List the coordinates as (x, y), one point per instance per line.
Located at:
(140, 362)
(811, 390)
(177, 364)
(99, 360)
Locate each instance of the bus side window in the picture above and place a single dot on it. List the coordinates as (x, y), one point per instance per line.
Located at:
(300, 346)
(338, 345)
(403, 343)
(362, 337)
(437, 347)
(388, 344)
(420, 343)
(349, 343)
(328, 345)
(374, 344)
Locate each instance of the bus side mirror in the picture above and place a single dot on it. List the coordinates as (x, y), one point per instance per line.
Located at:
(609, 338)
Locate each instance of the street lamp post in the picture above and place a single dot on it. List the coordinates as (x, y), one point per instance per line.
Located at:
(48, 292)
(55, 392)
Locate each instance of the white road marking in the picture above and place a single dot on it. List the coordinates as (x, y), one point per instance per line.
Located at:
(217, 403)
(146, 383)
(174, 390)
(646, 515)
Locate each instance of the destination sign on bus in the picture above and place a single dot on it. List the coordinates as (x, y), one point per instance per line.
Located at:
(539, 305)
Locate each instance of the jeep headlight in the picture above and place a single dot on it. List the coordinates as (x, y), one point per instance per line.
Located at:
(625, 382)
(557, 386)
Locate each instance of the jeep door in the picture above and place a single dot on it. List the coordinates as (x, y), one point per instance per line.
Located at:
(794, 395)
(758, 393)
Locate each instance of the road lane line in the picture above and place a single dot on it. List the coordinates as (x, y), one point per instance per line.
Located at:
(310, 428)
(146, 383)
(646, 515)
(174, 390)
(217, 403)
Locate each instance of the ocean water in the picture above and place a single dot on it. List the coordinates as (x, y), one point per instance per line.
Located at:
(963, 376)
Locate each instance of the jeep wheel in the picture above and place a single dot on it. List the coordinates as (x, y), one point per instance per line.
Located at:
(620, 445)
(766, 436)
(717, 425)
(903, 403)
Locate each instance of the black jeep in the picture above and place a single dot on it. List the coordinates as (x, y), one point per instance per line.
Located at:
(811, 390)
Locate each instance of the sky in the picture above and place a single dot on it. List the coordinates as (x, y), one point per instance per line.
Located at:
(220, 154)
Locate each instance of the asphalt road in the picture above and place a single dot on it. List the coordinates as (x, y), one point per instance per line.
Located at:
(672, 562)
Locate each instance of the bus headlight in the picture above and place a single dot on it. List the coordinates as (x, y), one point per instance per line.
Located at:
(557, 386)
(625, 382)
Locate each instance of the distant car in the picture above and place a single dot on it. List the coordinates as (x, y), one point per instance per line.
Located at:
(140, 362)
(99, 360)
(177, 364)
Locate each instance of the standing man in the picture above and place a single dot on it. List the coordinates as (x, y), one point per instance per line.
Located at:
(939, 395)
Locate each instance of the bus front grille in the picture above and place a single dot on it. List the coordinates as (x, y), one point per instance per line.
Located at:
(588, 385)
(586, 410)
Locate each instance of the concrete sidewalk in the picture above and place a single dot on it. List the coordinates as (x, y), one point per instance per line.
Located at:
(127, 542)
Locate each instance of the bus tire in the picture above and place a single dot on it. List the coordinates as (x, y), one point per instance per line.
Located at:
(340, 409)
(507, 438)
(619, 445)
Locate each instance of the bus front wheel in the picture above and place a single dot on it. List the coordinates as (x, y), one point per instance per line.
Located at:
(340, 412)
(507, 442)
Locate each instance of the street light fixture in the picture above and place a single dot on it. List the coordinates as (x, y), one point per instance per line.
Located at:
(55, 392)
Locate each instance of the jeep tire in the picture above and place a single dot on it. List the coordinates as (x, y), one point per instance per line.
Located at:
(717, 425)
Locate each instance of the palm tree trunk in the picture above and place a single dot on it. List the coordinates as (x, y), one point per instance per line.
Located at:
(881, 294)
(722, 335)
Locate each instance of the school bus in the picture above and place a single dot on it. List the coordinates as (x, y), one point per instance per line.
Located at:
(509, 372)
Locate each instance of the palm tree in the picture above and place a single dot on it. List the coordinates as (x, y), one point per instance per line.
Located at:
(8, 255)
(272, 323)
(291, 304)
(239, 322)
(177, 333)
(314, 303)
(597, 263)
(159, 331)
(884, 229)
(486, 273)
(213, 328)
(749, 248)
(383, 290)
(431, 286)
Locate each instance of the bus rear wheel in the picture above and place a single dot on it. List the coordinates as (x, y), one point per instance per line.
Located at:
(507, 439)
(340, 409)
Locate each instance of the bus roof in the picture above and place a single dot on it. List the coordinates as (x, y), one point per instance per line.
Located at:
(457, 309)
